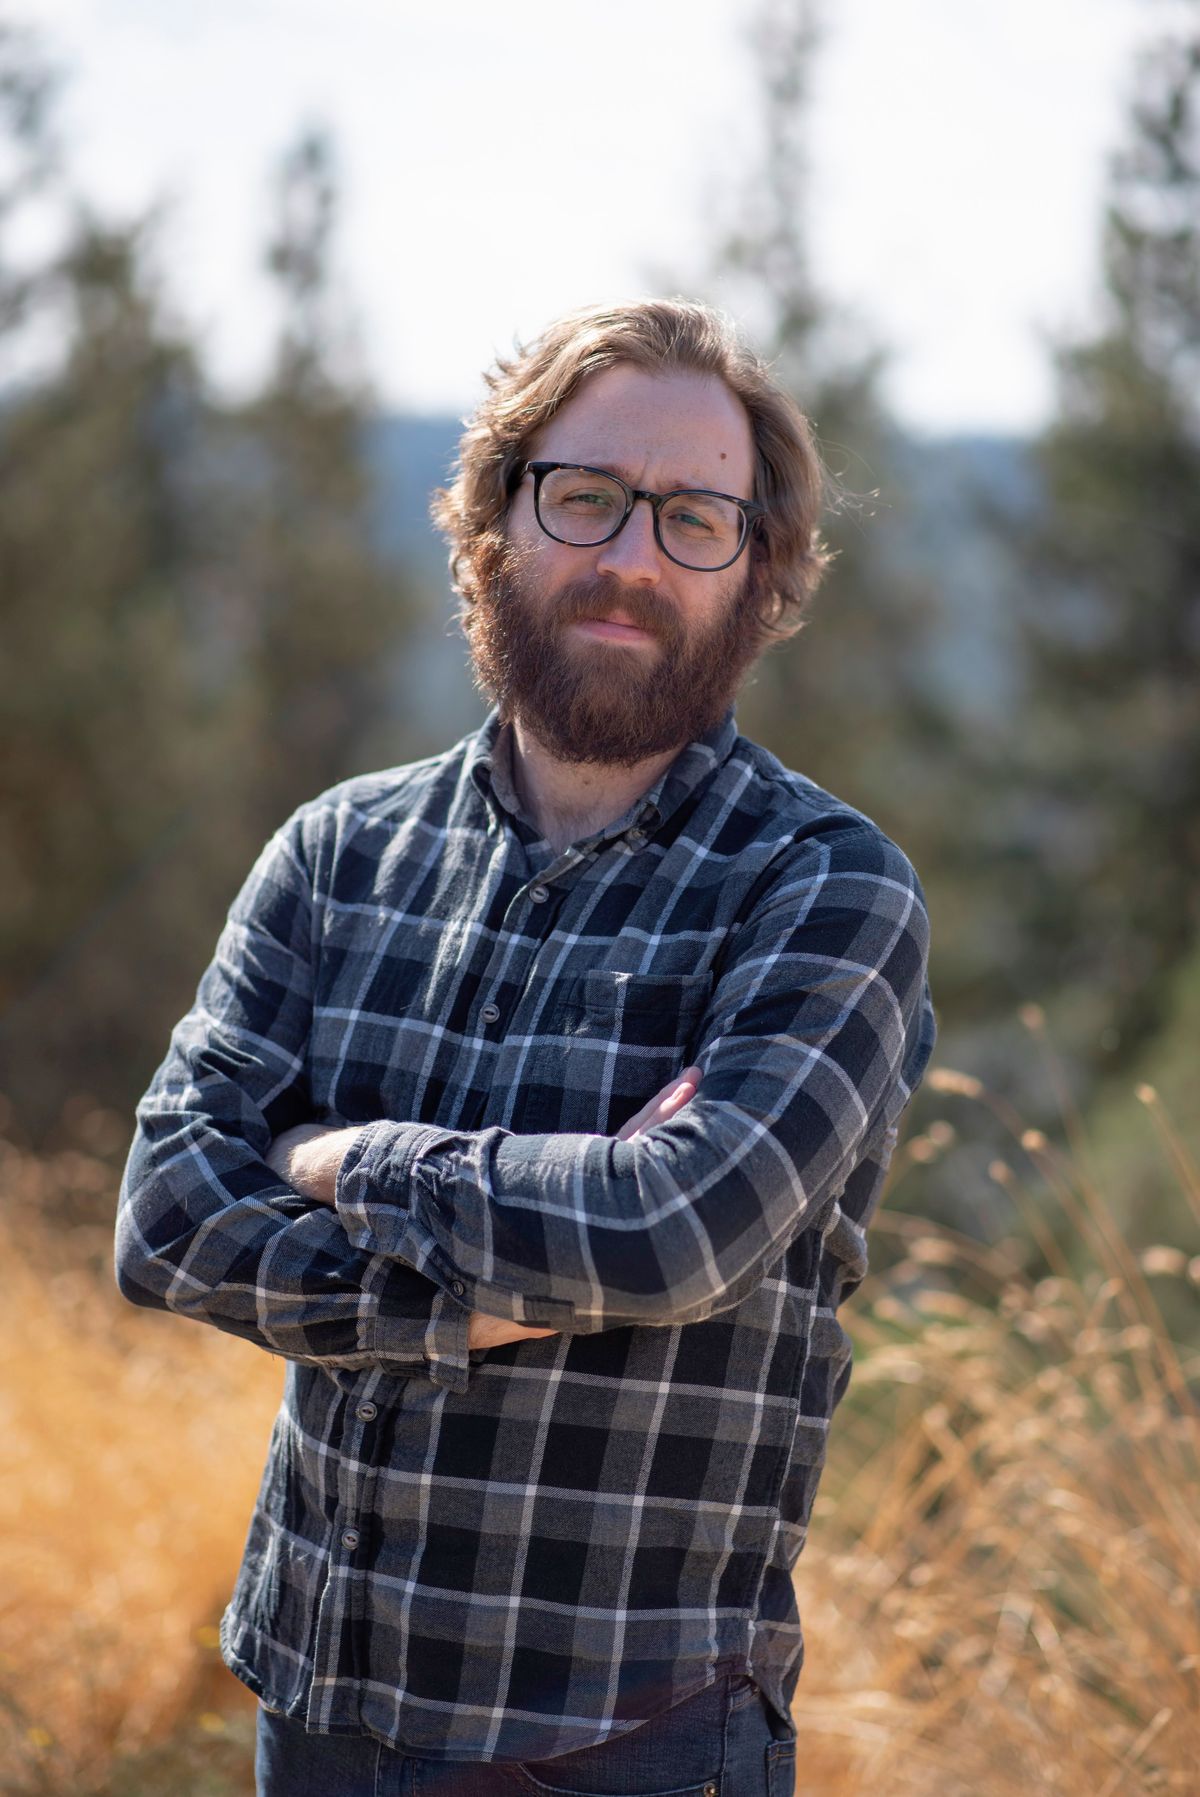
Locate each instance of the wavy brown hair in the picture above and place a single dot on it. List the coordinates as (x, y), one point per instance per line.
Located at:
(787, 555)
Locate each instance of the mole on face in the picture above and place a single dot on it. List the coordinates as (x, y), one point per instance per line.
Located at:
(724, 457)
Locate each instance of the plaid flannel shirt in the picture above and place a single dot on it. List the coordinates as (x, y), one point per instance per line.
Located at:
(516, 1553)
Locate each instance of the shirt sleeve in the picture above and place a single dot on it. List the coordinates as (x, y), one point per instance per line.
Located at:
(204, 1226)
(818, 1031)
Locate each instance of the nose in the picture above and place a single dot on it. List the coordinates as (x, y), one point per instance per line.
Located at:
(633, 554)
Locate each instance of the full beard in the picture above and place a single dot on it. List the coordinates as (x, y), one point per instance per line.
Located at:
(606, 702)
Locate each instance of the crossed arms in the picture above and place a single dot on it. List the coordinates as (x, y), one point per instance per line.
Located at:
(816, 1032)
(309, 1157)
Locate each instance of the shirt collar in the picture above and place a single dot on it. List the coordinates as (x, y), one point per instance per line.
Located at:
(489, 760)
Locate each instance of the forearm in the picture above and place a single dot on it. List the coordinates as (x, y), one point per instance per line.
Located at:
(208, 1230)
(206, 1227)
(583, 1232)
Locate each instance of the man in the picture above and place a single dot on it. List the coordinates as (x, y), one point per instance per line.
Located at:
(534, 1108)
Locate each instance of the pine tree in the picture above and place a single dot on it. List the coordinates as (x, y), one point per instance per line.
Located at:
(101, 719)
(322, 616)
(852, 700)
(28, 86)
(1112, 626)
(195, 619)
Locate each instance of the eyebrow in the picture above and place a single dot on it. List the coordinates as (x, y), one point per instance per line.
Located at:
(675, 486)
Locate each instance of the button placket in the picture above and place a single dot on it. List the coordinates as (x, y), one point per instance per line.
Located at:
(502, 966)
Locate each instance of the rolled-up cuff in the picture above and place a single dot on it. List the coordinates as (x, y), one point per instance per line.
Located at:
(370, 1195)
(372, 1183)
(438, 1348)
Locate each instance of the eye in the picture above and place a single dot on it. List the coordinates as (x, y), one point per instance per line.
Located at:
(587, 498)
(572, 493)
(692, 513)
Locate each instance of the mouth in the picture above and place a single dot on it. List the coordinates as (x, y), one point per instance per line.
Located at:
(614, 630)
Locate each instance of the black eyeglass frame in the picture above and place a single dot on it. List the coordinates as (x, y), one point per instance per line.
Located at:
(750, 510)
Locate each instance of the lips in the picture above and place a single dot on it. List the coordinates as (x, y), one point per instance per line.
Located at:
(602, 610)
(616, 625)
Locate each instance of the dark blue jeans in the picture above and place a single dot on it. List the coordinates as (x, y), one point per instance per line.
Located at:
(721, 1743)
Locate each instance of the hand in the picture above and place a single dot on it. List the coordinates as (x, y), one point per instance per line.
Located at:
(309, 1160)
(493, 1332)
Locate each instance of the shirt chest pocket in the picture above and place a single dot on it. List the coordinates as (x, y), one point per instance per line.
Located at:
(645, 1011)
(613, 1040)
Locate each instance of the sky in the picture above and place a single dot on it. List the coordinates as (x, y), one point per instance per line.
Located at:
(501, 163)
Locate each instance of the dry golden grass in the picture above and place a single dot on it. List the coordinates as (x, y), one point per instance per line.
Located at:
(1002, 1592)
(999, 1595)
(134, 1445)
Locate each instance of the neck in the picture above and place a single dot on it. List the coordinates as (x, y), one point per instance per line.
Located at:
(567, 799)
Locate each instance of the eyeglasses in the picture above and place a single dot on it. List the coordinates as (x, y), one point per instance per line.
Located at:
(693, 527)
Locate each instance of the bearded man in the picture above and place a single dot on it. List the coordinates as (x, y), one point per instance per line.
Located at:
(534, 1108)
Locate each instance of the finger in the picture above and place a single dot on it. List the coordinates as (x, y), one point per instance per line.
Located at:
(674, 1088)
(680, 1092)
(662, 1113)
(484, 1331)
(660, 1106)
(664, 1104)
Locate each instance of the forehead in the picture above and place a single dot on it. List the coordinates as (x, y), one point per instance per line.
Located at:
(678, 428)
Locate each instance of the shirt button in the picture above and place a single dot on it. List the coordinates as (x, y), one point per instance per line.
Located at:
(366, 1413)
(538, 895)
(350, 1538)
(490, 1013)
(457, 1287)
(635, 836)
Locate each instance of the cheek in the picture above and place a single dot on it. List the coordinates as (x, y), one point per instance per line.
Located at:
(542, 565)
(521, 520)
(711, 611)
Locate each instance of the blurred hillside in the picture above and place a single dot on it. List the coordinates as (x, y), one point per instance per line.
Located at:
(216, 610)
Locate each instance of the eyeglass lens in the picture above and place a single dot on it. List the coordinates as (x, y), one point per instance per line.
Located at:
(698, 529)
